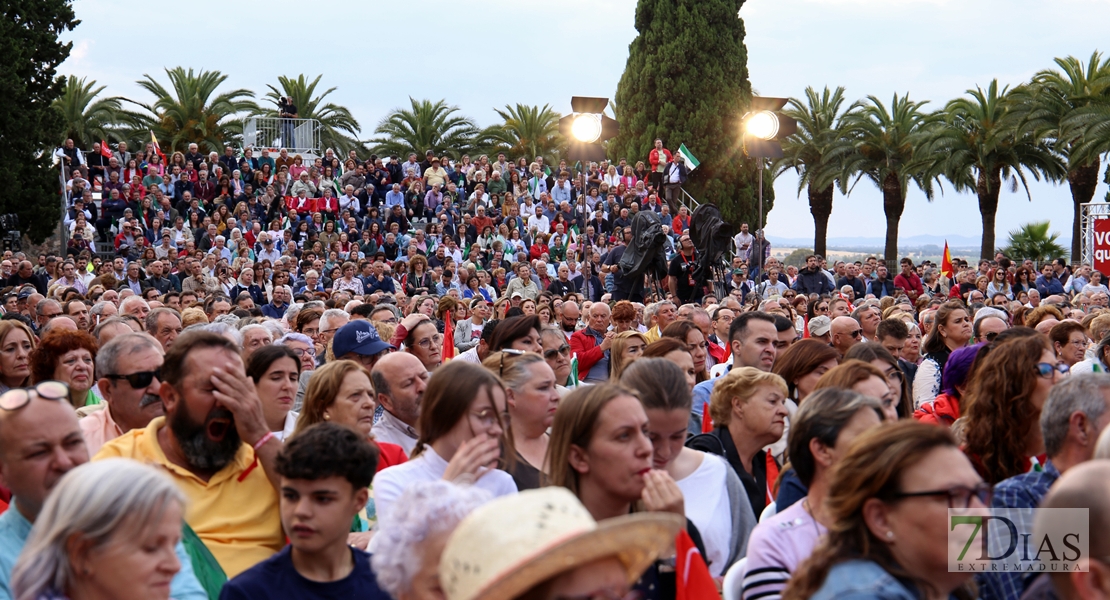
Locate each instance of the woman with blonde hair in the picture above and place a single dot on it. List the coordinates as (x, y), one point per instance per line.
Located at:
(627, 346)
(748, 408)
(532, 398)
(341, 392)
(17, 342)
(887, 507)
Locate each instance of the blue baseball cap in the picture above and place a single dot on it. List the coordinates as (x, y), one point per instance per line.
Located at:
(359, 337)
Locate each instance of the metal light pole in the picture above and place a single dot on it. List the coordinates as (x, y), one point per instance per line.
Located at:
(764, 127)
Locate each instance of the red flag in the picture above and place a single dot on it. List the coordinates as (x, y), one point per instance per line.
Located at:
(157, 148)
(105, 151)
(692, 578)
(946, 262)
(448, 338)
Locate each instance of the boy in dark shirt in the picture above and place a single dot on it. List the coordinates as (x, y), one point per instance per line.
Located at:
(325, 475)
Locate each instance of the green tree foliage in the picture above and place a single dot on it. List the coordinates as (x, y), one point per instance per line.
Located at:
(797, 258)
(338, 127)
(30, 126)
(1063, 107)
(192, 112)
(887, 142)
(819, 153)
(528, 131)
(87, 118)
(1033, 241)
(977, 148)
(686, 82)
(424, 126)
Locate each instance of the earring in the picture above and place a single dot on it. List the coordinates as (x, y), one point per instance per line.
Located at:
(327, 416)
(890, 535)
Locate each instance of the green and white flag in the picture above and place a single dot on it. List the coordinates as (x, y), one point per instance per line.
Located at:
(688, 157)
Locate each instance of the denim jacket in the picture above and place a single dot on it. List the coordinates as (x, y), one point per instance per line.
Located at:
(863, 580)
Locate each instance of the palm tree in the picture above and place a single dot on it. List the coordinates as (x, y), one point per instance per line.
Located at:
(338, 128)
(528, 131)
(1032, 241)
(817, 152)
(1054, 106)
(886, 143)
(192, 113)
(87, 119)
(424, 126)
(977, 147)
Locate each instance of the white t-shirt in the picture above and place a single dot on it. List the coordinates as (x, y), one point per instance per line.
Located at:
(708, 507)
(429, 466)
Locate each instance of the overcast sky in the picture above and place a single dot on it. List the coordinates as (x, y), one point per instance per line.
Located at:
(503, 52)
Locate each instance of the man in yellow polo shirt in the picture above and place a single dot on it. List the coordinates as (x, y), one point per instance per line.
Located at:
(215, 444)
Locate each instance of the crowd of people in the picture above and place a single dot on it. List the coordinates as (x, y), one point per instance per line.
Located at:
(250, 400)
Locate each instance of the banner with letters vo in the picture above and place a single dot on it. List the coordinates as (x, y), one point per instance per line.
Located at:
(1101, 249)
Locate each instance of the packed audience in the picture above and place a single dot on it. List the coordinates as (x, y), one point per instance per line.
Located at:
(256, 377)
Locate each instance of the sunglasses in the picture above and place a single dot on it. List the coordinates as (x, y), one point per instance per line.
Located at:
(508, 352)
(1046, 369)
(550, 354)
(16, 399)
(139, 380)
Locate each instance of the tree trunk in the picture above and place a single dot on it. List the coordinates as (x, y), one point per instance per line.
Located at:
(893, 205)
(987, 189)
(820, 206)
(1083, 181)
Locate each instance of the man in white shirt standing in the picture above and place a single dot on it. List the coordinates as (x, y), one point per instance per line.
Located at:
(742, 240)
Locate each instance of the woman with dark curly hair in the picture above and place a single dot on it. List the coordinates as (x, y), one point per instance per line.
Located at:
(68, 356)
(1003, 406)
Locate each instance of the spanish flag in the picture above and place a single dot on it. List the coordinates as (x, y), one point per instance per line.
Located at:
(946, 262)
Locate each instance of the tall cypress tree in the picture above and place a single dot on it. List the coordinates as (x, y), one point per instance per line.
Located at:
(686, 82)
(29, 125)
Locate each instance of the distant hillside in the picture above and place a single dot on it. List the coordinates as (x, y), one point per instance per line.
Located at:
(957, 244)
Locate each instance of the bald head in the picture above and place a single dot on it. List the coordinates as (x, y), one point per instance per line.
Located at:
(38, 444)
(1046, 325)
(1086, 485)
(399, 380)
(846, 332)
(58, 323)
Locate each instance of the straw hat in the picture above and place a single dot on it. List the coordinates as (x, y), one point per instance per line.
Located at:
(516, 542)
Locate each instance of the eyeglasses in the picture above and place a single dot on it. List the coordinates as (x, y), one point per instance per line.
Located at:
(303, 353)
(507, 352)
(821, 308)
(139, 380)
(989, 336)
(895, 377)
(489, 417)
(429, 343)
(958, 497)
(856, 334)
(1046, 370)
(17, 398)
(550, 354)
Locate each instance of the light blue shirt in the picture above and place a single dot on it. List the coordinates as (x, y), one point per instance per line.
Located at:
(393, 198)
(14, 530)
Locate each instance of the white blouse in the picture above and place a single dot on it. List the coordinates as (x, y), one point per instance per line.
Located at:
(429, 466)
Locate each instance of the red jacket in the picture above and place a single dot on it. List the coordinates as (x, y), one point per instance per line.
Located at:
(944, 410)
(583, 344)
(653, 157)
(911, 285)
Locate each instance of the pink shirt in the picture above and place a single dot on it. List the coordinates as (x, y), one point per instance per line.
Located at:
(99, 429)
